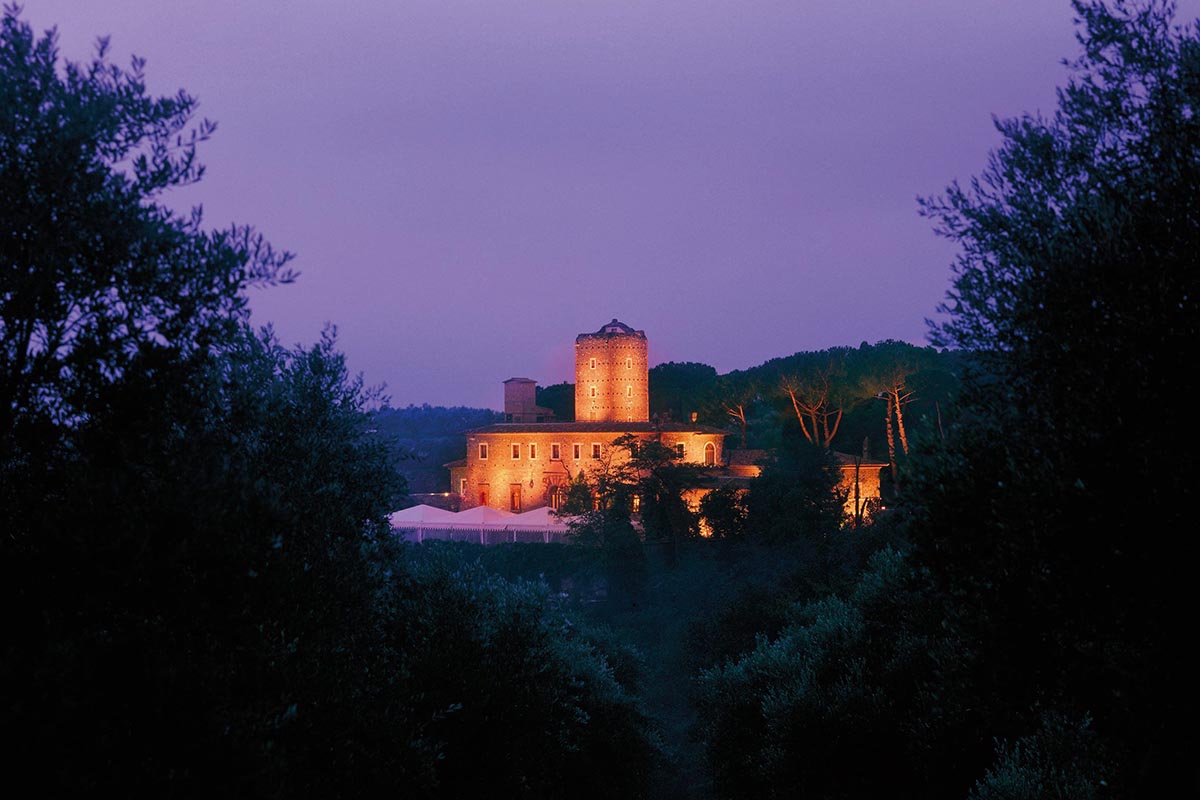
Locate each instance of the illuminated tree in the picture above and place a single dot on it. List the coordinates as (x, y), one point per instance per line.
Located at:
(818, 394)
(883, 371)
(737, 413)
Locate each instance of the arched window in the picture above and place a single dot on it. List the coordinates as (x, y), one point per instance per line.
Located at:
(710, 454)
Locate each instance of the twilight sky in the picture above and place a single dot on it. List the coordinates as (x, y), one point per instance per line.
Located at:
(468, 185)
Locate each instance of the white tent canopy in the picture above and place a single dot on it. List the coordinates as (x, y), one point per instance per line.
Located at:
(491, 525)
(420, 514)
(482, 514)
(538, 518)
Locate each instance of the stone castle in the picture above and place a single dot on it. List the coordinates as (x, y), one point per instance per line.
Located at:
(528, 460)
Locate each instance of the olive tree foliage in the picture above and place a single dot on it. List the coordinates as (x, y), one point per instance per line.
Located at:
(1052, 520)
(797, 496)
(504, 696)
(649, 470)
(662, 480)
(724, 511)
(1032, 642)
(1062, 760)
(94, 267)
(1078, 242)
(204, 596)
(826, 708)
(195, 570)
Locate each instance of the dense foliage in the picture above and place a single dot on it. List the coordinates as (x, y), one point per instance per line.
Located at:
(1078, 286)
(1046, 527)
(203, 594)
(796, 496)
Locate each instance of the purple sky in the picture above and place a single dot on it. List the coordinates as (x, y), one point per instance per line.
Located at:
(467, 186)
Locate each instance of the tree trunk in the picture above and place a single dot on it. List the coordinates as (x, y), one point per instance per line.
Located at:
(800, 416)
(831, 431)
(900, 423)
(891, 440)
(857, 496)
(738, 412)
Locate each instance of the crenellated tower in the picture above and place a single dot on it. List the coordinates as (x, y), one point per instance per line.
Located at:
(612, 375)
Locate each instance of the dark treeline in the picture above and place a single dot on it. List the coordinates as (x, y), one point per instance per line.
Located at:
(432, 422)
(424, 438)
(204, 597)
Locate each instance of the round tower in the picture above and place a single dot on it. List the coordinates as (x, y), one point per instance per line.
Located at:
(612, 375)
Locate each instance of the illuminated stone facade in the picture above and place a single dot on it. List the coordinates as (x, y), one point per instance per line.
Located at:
(518, 467)
(860, 480)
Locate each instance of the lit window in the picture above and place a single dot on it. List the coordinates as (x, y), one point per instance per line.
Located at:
(710, 454)
(483, 495)
(516, 450)
(592, 363)
(629, 363)
(681, 449)
(462, 486)
(576, 450)
(637, 503)
(593, 391)
(532, 450)
(483, 452)
(595, 450)
(556, 452)
(629, 391)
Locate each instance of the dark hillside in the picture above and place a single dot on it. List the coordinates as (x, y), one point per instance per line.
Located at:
(426, 437)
